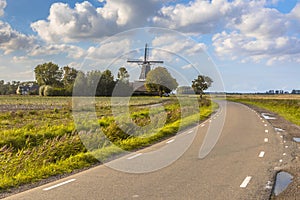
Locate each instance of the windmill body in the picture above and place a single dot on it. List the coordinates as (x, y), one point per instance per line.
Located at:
(146, 64)
(139, 85)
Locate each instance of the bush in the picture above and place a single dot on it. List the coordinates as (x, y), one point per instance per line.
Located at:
(54, 91)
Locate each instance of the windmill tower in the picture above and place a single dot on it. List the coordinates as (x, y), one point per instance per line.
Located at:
(146, 64)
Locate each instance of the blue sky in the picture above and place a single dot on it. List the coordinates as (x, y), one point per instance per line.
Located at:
(254, 45)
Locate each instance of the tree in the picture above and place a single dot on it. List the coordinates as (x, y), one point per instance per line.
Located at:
(100, 83)
(106, 84)
(80, 85)
(69, 76)
(48, 74)
(123, 75)
(8, 88)
(122, 86)
(201, 83)
(160, 80)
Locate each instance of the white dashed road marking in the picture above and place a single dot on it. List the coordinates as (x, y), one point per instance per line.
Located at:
(134, 156)
(262, 154)
(245, 182)
(266, 131)
(202, 125)
(266, 140)
(170, 141)
(59, 184)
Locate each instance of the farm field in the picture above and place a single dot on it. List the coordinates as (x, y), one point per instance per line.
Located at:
(39, 136)
(287, 106)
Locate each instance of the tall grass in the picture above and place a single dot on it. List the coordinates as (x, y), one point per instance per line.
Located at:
(287, 108)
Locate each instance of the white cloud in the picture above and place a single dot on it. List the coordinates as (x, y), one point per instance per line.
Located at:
(235, 45)
(109, 50)
(263, 23)
(55, 49)
(204, 16)
(188, 66)
(86, 22)
(200, 16)
(11, 40)
(178, 44)
(2, 7)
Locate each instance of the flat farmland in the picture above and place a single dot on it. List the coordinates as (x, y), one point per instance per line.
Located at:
(39, 137)
(287, 106)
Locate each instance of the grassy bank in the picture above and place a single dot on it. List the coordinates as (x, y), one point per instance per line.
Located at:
(38, 137)
(288, 106)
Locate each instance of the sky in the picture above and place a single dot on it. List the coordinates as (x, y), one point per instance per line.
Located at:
(245, 45)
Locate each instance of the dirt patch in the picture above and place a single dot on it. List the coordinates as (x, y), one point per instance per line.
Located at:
(290, 131)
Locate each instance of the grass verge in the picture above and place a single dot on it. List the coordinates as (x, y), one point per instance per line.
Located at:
(287, 108)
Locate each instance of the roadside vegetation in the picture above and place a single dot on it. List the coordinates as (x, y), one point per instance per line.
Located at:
(288, 106)
(39, 139)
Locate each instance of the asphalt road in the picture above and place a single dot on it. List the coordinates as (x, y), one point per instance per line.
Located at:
(239, 166)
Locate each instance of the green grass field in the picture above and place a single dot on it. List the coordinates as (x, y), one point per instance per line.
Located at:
(38, 136)
(287, 106)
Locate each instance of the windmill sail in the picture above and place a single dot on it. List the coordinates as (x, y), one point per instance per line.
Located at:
(146, 64)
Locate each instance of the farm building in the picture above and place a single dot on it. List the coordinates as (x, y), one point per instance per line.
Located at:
(27, 89)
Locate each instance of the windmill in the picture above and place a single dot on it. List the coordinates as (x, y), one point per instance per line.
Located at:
(146, 64)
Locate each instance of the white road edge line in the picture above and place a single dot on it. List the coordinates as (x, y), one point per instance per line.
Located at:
(245, 182)
(59, 184)
(170, 141)
(134, 156)
(262, 154)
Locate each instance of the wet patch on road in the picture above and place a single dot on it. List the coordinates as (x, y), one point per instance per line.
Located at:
(296, 139)
(267, 116)
(283, 179)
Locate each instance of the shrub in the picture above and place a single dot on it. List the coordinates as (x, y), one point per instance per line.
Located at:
(54, 91)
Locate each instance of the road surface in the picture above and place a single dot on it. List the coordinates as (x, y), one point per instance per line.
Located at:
(240, 166)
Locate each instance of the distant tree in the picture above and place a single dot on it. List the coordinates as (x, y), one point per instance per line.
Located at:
(80, 85)
(69, 76)
(48, 74)
(8, 87)
(122, 86)
(123, 75)
(92, 80)
(160, 80)
(200, 84)
(100, 83)
(106, 84)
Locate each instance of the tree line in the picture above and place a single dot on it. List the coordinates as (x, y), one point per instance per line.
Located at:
(52, 80)
(56, 81)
